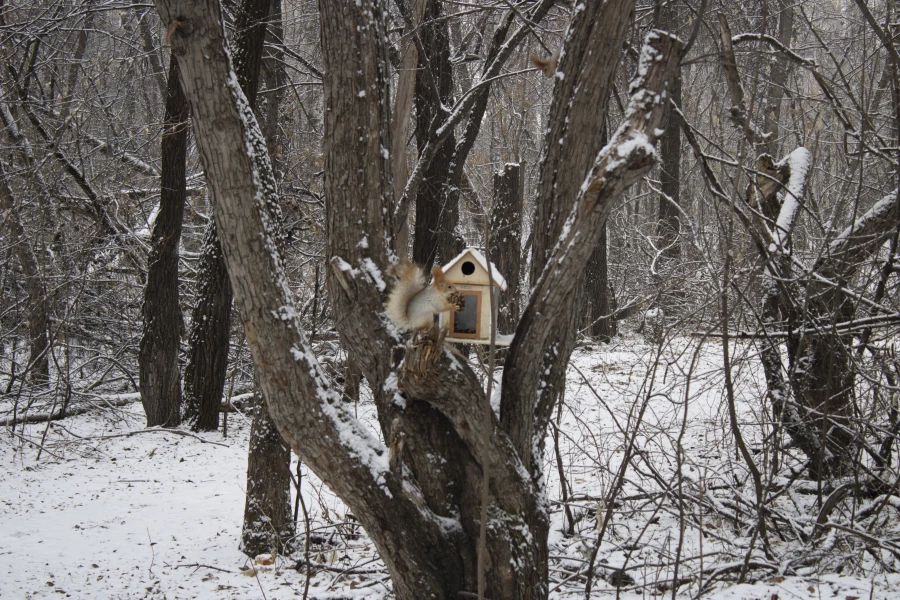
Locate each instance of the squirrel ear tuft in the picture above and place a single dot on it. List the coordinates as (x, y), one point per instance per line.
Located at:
(437, 272)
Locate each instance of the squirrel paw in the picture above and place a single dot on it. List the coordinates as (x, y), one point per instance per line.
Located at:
(457, 300)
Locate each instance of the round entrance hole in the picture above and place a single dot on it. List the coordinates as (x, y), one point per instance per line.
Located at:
(468, 267)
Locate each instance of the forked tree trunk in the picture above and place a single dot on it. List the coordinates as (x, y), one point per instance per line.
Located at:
(439, 183)
(423, 519)
(160, 374)
(813, 394)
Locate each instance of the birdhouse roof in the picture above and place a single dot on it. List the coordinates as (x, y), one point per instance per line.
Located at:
(481, 261)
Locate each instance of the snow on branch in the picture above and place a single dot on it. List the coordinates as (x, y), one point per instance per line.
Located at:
(861, 238)
(799, 163)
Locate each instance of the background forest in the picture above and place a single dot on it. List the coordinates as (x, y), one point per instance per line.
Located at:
(695, 205)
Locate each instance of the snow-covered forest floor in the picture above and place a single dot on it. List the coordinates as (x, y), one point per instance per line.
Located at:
(108, 510)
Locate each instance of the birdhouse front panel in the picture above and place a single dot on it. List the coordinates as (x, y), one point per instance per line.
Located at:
(469, 274)
(468, 322)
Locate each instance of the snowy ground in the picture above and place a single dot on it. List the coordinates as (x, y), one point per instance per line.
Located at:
(106, 513)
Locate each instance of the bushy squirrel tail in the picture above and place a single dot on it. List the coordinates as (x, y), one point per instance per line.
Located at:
(410, 281)
(547, 66)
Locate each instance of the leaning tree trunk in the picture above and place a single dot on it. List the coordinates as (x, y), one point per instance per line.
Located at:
(159, 373)
(211, 319)
(268, 526)
(423, 521)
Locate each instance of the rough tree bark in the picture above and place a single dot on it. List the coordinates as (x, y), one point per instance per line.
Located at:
(598, 293)
(268, 519)
(669, 220)
(159, 373)
(506, 241)
(437, 203)
(204, 374)
(423, 520)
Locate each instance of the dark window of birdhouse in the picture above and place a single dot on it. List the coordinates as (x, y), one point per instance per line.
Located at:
(468, 267)
(466, 321)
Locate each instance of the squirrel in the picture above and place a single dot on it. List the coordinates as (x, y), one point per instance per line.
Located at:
(412, 303)
(547, 66)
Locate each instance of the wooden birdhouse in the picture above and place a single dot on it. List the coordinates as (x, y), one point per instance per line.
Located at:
(472, 325)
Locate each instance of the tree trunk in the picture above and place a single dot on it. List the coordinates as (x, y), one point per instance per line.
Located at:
(598, 294)
(211, 319)
(403, 102)
(159, 372)
(601, 303)
(268, 523)
(778, 78)
(423, 520)
(204, 375)
(268, 520)
(815, 400)
(438, 185)
(437, 203)
(669, 221)
(506, 242)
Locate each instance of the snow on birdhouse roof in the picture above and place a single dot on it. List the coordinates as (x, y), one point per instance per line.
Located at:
(482, 262)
